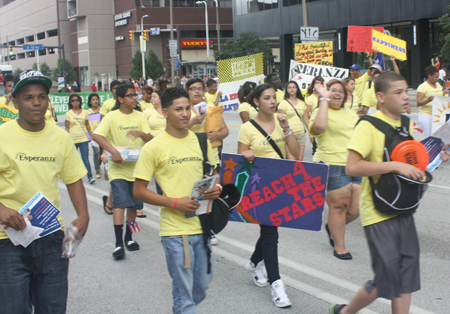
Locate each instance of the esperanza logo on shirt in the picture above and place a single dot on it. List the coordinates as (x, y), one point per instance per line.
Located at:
(125, 128)
(24, 157)
(265, 142)
(174, 160)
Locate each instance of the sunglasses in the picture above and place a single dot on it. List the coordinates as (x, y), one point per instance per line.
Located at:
(75, 100)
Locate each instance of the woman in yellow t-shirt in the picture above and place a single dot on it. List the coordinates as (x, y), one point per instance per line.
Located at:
(156, 121)
(77, 124)
(332, 126)
(425, 95)
(50, 114)
(312, 102)
(246, 112)
(252, 144)
(146, 98)
(94, 107)
(295, 108)
(353, 102)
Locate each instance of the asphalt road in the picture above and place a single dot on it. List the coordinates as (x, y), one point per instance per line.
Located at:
(314, 277)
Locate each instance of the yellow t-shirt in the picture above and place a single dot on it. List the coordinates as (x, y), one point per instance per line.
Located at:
(176, 164)
(249, 135)
(368, 141)
(156, 121)
(354, 104)
(3, 101)
(211, 99)
(77, 127)
(312, 101)
(429, 91)
(370, 98)
(360, 83)
(31, 162)
(145, 105)
(48, 113)
(107, 106)
(295, 123)
(280, 95)
(332, 144)
(114, 127)
(90, 111)
(246, 107)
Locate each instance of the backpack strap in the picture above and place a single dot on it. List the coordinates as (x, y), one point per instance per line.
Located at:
(208, 168)
(268, 138)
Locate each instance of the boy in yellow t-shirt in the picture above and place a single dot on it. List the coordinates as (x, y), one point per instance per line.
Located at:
(175, 159)
(7, 85)
(34, 155)
(212, 95)
(393, 242)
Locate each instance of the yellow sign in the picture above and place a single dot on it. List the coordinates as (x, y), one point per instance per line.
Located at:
(232, 70)
(7, 113)
(389, 45)
(320, 53)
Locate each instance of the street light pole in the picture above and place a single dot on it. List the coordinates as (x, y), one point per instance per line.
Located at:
(37, 51)
(218, 24)
(207, 29)
(141, 46)
(172, 60)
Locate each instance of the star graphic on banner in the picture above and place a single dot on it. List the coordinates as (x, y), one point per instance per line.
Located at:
(300, 78)
(247, 166)
(230, 164)
(256, 178)
(376, 61)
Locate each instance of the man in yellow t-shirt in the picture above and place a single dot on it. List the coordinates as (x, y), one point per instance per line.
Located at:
(109, 104)
(360, 81)
(212, 95)
(370, 101)
(7, 85)
(175, 159)
(392, 239)
(34, 154)
(274, 81)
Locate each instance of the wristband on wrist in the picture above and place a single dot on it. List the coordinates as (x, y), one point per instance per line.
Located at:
(285, 127)
(175, 200)
(323, 98)
(289, 132)
(220, 187)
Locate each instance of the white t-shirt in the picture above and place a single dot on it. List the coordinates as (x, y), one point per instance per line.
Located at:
(441, 74)
(150, 82)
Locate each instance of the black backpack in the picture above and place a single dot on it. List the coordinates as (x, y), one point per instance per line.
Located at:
(394, 194)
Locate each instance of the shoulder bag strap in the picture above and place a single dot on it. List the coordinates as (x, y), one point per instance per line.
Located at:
(208, 168)
(301, 120)
(82, 127)
(268, 138)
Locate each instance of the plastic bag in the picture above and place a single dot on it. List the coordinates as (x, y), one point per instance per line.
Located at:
(72, 240)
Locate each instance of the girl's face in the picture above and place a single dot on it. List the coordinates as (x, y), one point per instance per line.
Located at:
(94, 101)
(155, 100)
(267, 102)
(196, 93)
(337, 95)
(75, 102)
(350, 86)
(130, 99)
(146, 96)
(292, 89)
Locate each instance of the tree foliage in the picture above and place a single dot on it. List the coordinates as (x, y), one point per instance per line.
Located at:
(445, 23)
(248, 43)
(71, 74)
(45, 69)
(17, 71)
(153, 66)
(136, 65)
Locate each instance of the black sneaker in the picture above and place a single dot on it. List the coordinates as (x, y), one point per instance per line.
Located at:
(131, 245)
(118, 252)
(336, 308)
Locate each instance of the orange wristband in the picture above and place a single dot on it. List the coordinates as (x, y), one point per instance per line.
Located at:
(175, 203)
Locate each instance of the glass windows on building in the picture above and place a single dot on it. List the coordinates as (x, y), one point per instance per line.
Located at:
(84, 75)
(250, 6)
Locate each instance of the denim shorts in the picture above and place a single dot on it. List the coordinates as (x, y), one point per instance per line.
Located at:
(337, 178)
(122, 192)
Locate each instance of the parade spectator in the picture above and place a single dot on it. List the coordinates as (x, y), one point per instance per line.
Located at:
(438, 63)
(146, 98)
(442, 75)
(274, 81)
(94, 107)
(123, 127)
(181, 237)
(246, 111)
(212, 95)
(34, 279)
(332, 125)
(253, 144)
(77, 125)
(214, 77)
(7, 85)
(149, 81)
(136, 86)
(294, 107)
(93, 87)
(360, 81)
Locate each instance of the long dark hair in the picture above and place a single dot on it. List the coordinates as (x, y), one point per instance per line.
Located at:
(121, 91)
(245, 90)
(299, 94)
(257, 92)
(75, 96)
(92, 95)
(310, 89)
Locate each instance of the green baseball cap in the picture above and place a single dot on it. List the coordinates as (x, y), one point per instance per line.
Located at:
(30, 77)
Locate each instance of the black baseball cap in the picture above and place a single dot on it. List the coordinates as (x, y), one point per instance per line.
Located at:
(30, 77)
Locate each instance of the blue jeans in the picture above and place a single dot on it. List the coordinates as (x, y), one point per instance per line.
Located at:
(189, 285)
(84, 150)
(33, 276)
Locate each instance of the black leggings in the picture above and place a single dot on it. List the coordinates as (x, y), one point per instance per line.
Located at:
(267, 249)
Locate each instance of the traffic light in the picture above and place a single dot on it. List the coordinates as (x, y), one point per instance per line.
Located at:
(10, 50)
(145, 34)
(130, 35)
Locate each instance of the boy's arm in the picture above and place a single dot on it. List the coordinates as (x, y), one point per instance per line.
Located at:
(78, 197)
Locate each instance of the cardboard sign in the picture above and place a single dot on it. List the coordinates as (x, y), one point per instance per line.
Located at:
(440, 113)
(229, 99)
(303, 73)
(236, 69)
(7, 113)
(360, 38)
(61, 100)
(277, 192)
(315, 53)
(389, 45)
(94, 121)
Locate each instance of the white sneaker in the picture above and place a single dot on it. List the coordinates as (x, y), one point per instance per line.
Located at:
(214, 240)
(257, 273)
(279, 296)
(91, 181)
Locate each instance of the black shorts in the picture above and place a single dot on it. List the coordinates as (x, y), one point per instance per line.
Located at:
(394, 250)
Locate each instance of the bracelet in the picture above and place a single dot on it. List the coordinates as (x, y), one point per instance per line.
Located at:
(323, 98)
(175, 200)
(288, 133)
(220, 187)
(285, 127)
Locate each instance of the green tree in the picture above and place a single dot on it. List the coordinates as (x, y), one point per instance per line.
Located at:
(153, 66)
(45, 69)
(17, 71)
(445, 23)
(248, 43)
(136, 65)
(71, 74)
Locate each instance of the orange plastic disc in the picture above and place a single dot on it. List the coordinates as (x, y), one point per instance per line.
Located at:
(411, 152)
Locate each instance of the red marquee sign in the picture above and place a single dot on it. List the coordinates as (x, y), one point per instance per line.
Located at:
(194, 43)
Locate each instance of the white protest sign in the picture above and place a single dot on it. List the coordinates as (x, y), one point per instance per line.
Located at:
(229, 99)
(440, 112)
